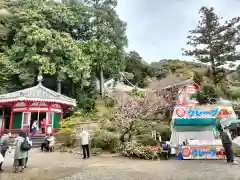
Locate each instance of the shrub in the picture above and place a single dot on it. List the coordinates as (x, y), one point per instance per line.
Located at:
(237, 153)
(165, 136)
(109, 102)
(136, 150)
(164, 131)
(162, 127)
(111, 129)
(77, 118)
(105, 140)
(146, 140)
(96, 151)
(108, 126)
(66, 137)
(142, 127)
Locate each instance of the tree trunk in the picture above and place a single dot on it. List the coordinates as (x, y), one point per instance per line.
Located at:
(130, 137)
(214, 76)
(101, 82)
(73, 92)
(122, 136)
(129, 130)
(214, 70)
(59, 87)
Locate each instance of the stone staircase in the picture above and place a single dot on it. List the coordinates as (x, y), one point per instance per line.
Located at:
(37, 141)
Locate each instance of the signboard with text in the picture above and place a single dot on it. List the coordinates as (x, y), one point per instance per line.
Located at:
(203, 152)
(197, 112)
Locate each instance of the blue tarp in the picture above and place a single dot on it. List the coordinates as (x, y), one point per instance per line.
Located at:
(195, 122)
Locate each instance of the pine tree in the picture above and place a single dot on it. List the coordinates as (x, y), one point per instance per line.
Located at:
(214, 42)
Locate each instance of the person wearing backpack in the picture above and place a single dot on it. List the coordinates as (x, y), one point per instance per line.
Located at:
(22, 144)
(30, 143)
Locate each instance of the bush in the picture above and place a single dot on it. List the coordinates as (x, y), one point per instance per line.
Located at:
(237, 153)
(208, 94)
(105, 140)
(162, 127)
(108, 126)
(164, 131)
(165, 136)
(146, 140)
(136, 150)
(111, 129)
(66, 137)
(77, 118)
(96, 151)
(142, 127)
(109, 102)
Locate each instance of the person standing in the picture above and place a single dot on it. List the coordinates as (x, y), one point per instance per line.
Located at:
(227, 144)
(45, 145)
(84, 136)
(43, 125)
(159, 138)
(30, 142)
(34, 128)
(20, 154)
(4, 145)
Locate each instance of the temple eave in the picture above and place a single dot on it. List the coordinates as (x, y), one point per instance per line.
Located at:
(18, 99)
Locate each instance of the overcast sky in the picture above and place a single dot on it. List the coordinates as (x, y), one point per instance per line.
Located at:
(157, 29)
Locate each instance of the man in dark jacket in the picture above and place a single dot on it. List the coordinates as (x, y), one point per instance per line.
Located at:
(4, 145)
(227, 144)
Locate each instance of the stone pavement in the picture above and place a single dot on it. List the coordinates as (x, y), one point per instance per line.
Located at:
(64, 166)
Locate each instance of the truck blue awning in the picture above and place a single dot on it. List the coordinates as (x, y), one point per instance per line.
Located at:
(195, 122)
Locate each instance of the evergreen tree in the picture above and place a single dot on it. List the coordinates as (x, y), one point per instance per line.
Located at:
(214, 42)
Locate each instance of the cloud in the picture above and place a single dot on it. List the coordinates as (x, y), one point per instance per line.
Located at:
(157, 29)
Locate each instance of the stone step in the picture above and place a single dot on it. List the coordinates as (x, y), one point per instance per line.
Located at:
(37, 141)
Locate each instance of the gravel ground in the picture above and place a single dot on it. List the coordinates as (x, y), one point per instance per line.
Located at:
(64, 166)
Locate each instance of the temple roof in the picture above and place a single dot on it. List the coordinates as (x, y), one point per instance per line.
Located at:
(169, 82)
(37, 93)
(111, 86)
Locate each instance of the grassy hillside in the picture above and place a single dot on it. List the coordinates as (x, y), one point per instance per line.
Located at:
(143, 74)
(184, 67)
(177, 67)
(201, 73)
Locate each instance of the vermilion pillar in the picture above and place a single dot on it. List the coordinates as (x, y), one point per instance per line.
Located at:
(11, 116)
(48, 115)
(28, 118)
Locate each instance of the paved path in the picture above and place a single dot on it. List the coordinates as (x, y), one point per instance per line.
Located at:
(64, 166)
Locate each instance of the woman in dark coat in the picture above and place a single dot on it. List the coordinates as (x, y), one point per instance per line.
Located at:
(20, 155)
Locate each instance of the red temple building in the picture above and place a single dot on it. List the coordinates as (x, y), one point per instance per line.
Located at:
(34, 104)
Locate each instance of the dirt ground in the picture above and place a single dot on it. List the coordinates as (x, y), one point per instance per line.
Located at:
(64, 166)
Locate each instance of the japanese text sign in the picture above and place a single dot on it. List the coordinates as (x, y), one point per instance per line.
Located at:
(192, 112)
(198, 113)
(198, 152)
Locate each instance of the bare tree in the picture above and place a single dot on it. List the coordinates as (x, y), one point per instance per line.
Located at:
(130, 109)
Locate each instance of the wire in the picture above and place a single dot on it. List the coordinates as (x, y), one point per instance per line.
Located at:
(127, 80)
